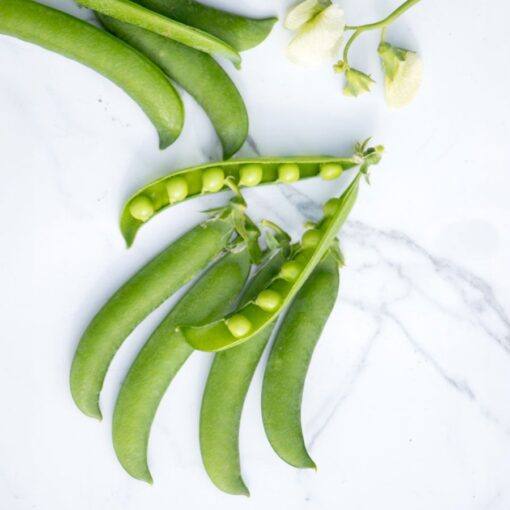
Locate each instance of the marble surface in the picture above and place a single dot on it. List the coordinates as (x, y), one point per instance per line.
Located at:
(407, 404)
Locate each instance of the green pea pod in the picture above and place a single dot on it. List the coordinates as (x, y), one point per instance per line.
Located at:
(240, 32)
(165, 352)
(196, 181)
(199, 74)
(288, 363)
(80, 41)
(253, 317)
(220, 416)
(180, 262)
(131, 12)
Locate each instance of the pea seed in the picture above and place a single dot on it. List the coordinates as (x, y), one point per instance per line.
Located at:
(250, 175)
(311, 238)
(288, 172)
(269, 300)
(331, 207)
(213, 179)
(330, 171)
(141, 208)
(290, 270)
(239, 325)
(177, 189)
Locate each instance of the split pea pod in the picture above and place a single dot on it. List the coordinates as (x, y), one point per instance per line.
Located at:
(240, 32)
(225, 392)
(211, 178)
(80, 41)
(131, 12)
(255, 316)
(165, 352)
(146, 290)
(287, 366)
(199, 74)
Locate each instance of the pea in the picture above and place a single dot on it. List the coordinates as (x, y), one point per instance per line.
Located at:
(213, 179)
(239, 325)
(141, 208)
(288, 172)
(330, 171)
(250, 175)
(269, 300)
(95, 48)
(290, 271)
(331, 207)
(177, 189)
(311, 238)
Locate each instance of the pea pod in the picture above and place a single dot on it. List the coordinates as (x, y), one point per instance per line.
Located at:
(288, 362)
(131, 12)
(76, 39)
(146, 290)
(163, 355)
(240, 32)
(211, 178)
(225, 391)
(199, 74)
(255, 316)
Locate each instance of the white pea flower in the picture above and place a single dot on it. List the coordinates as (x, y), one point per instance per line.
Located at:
(402, 74)
(320, 26)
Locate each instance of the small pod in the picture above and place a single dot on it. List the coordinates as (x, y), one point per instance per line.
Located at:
(180, 262)
(197, 73)
(225, 392)
(221, 335)
(80, 41)
(289, 360)
(240, 32)
(163, 355)
(156, 191)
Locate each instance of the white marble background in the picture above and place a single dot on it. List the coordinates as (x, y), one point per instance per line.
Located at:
(407, 405)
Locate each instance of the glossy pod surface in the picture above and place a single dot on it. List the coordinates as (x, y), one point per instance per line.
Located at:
(247, 321)
(288, 363)
(146, 290)
(80, 41)
(199, 74)
(131, 12)
(240, 32)
(156, 193)
(163, 355)
(225, 392)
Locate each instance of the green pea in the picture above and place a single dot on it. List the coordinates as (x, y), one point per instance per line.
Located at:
(213, 179)
(311, 238)
(288, 172)
(330, 171)
(290, 357)
(99, 50)
(141, 208)
(331, 207)
(269, 300)
(239, 325)
(250, 175)
(290, 270)
(177, 189)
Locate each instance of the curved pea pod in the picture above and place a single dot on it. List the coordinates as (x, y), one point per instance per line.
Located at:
(198, 181)
(240, 32)
(253, 317)
(131, 12)
(76, 39)
(225, 392)
(163, 355)
(199, 74)
(180, 262)
(290, 357)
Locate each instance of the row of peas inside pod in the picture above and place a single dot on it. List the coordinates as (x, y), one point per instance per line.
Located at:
(228, 312)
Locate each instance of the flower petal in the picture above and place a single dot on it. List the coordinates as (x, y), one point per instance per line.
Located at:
(403, 88)
(318, 40)
(302, 13)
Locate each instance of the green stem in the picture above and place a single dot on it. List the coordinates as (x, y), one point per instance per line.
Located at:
(359, 29)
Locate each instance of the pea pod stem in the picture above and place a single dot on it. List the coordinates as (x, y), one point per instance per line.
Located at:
(80, 41)
(130, 12)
